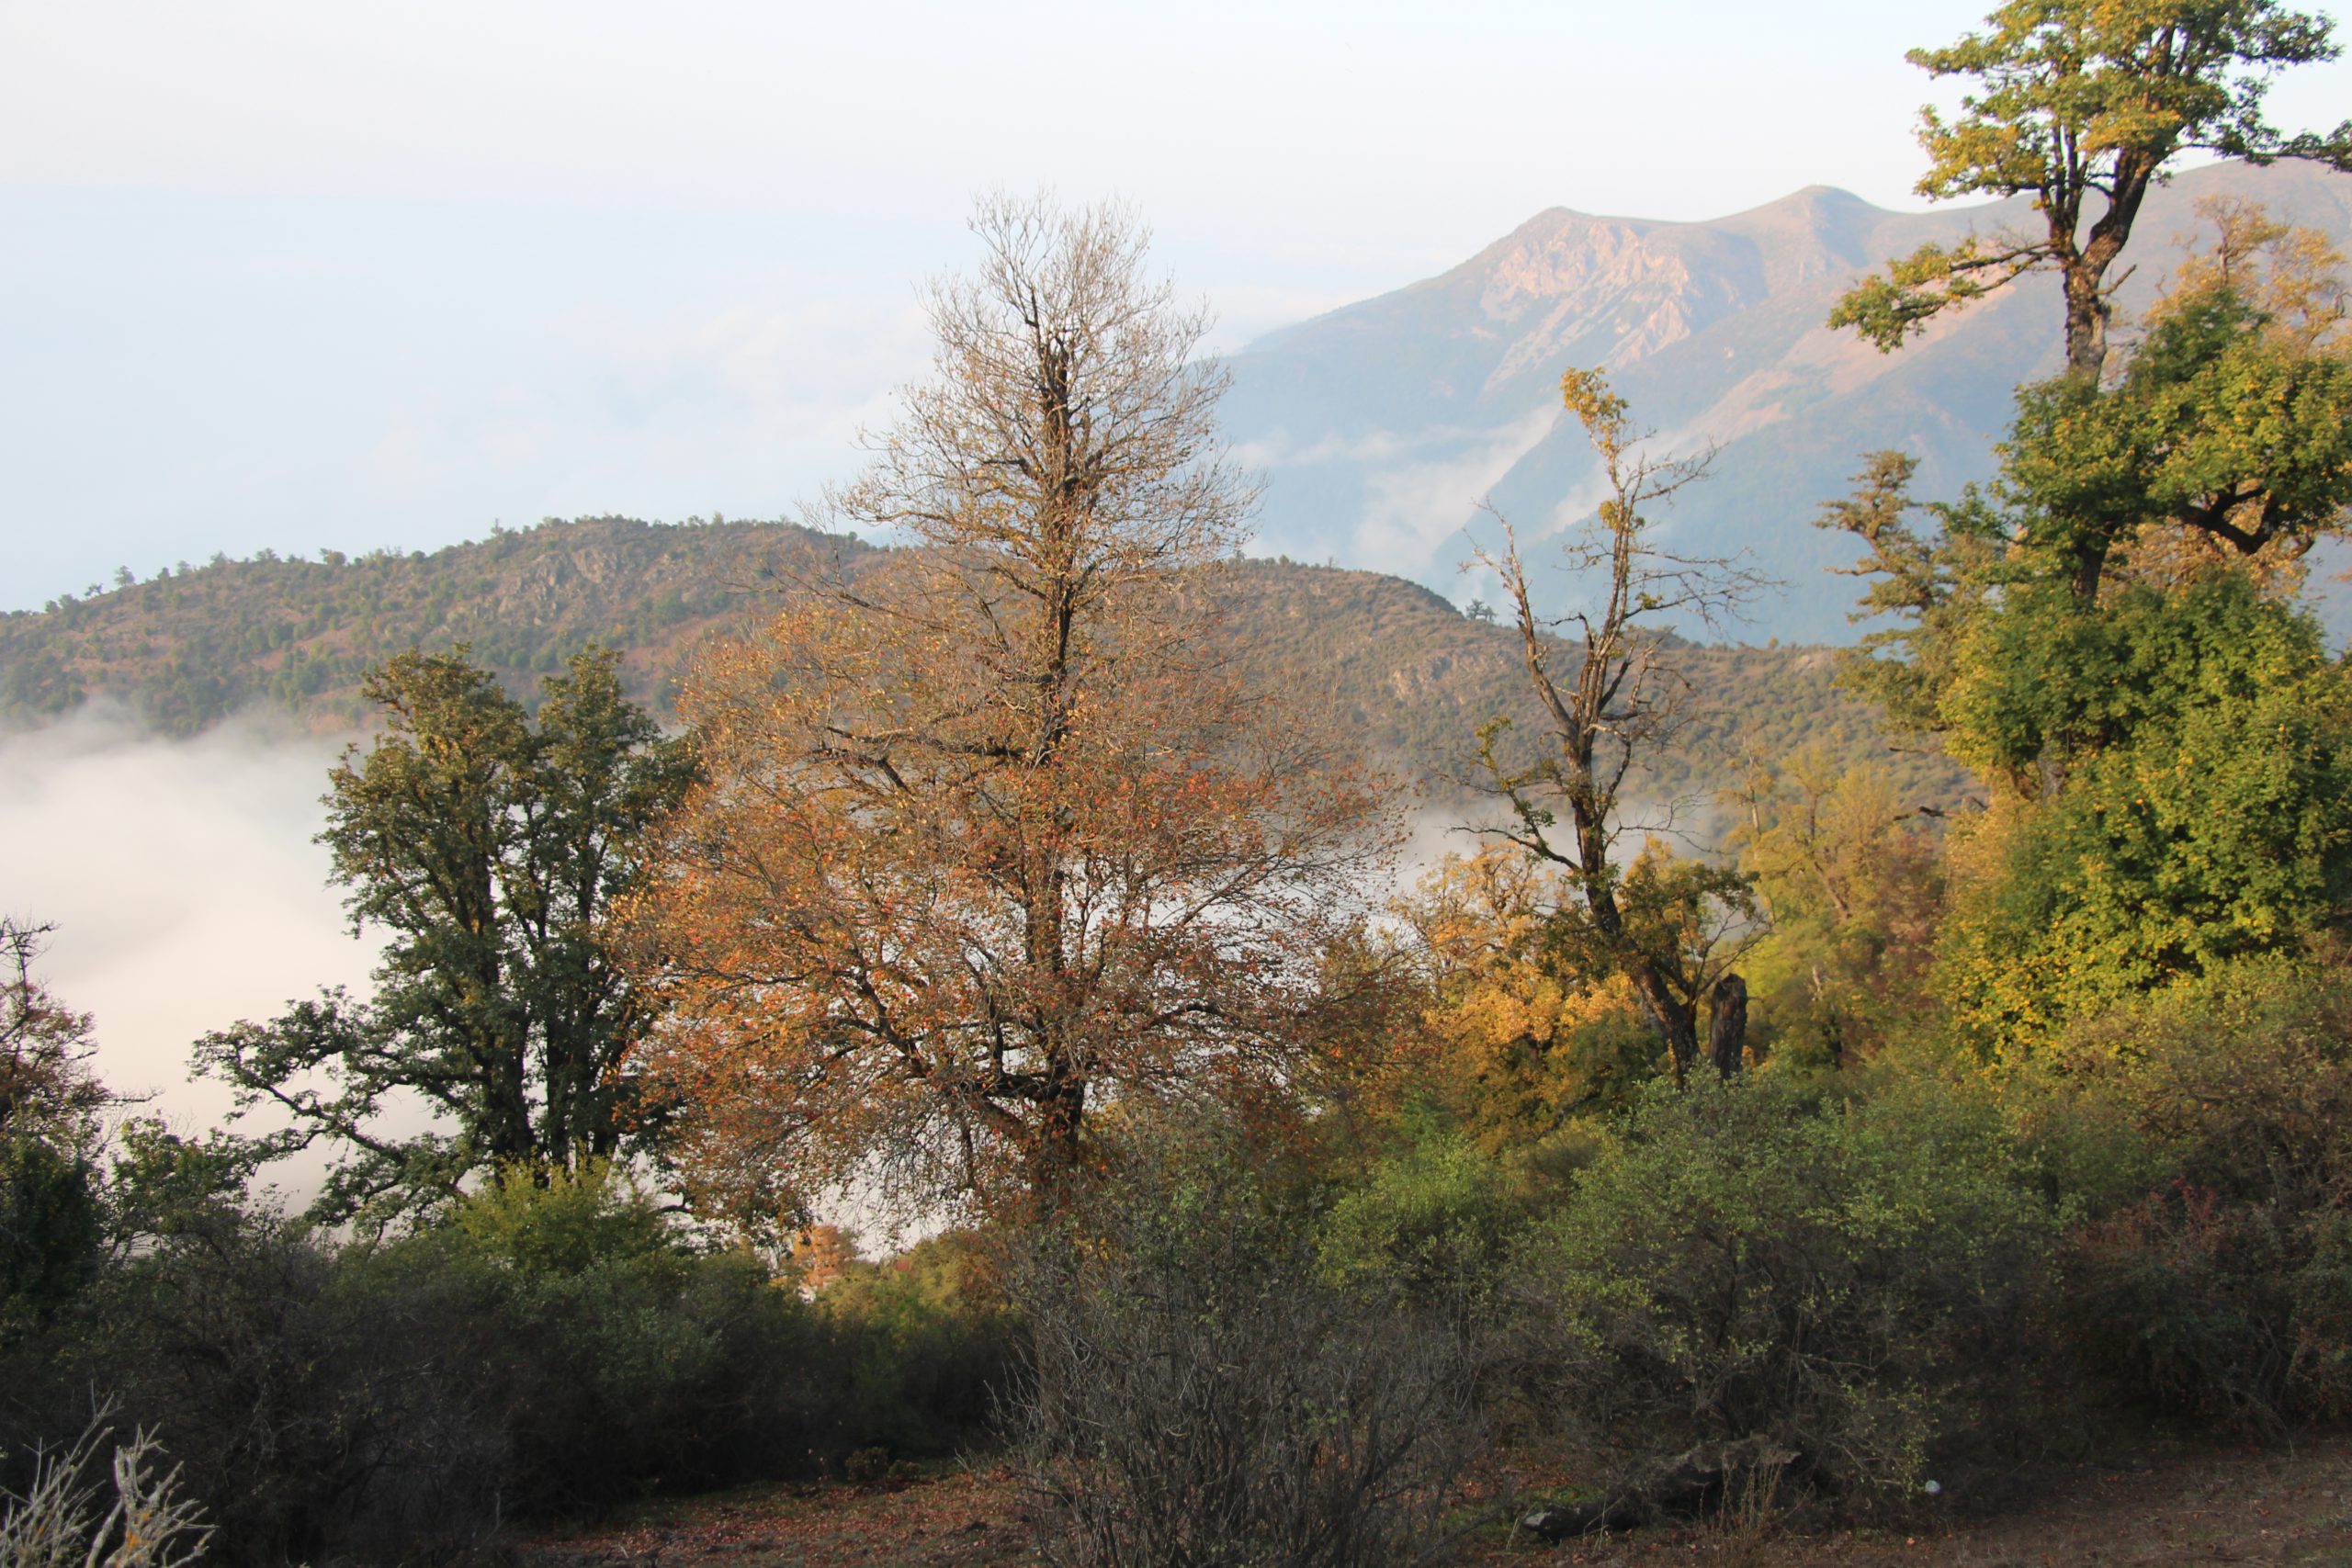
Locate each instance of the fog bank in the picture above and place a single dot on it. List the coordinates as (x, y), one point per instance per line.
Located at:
(184, 884)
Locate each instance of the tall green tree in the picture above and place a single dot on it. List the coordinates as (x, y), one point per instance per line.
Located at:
(489, 851)
(2206, 816)
(2227, 436)
(2104, 637)
(2226, 440)
(2082, 106)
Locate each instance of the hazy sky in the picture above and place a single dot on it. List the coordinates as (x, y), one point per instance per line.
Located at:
(305, 275)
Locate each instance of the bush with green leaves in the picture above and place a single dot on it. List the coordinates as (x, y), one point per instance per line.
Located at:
(558, 1343)
(1202, 1394)
(1851, 1282)
(2206, 816)
(50, 1230)
(629, 1360)
(1435, 1219)
(315, 1416)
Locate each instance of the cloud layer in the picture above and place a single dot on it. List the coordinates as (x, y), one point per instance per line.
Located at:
(184, 884)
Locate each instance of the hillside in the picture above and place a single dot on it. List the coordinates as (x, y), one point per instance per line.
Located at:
(1405, 670)
(1381, 426)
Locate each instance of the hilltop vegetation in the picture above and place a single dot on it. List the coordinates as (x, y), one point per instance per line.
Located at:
(184, 649)
(1406, 672)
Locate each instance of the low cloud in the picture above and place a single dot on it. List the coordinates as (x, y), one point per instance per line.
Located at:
(1416, 491)
(185, 886)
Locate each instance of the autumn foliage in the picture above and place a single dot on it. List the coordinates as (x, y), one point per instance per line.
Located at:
(995, 836)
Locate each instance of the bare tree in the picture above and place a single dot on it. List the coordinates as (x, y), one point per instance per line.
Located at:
(994, 832)
(1612, 699)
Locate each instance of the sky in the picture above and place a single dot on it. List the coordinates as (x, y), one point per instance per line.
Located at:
(305, 276)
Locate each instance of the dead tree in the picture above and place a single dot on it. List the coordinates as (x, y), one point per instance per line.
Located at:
(1610, 699)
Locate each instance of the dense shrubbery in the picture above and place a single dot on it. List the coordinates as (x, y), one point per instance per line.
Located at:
(2222, 1288)
(1851, 1281)
(927, 1343)
(549, 1349)
(1880, 1275)
(1893, 1273)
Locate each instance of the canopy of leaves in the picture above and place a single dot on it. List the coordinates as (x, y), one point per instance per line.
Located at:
(491, 851)
(2082, 98)
(2207, 812)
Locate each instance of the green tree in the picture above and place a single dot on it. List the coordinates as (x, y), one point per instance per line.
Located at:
(2104, 636)
(2206, 816)
(1853, 881)
(2218, 427)
(2224, 442)
(491, 851)
(2078, 99)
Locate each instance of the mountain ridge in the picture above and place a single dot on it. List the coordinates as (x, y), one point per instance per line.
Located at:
(1381, 425)
(1386, 659)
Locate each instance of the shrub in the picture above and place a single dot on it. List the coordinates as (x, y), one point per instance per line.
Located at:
(1199, 1395)
(1435, 1221)
(312, 1420)
(630, 1361)
(553, 1347)
(1848, 1283)
(50, 1230)
(2224, 1291)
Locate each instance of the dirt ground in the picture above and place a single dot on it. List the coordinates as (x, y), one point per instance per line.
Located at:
(2290, 1507)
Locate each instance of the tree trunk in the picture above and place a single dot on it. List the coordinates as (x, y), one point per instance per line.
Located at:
(1727, 1025)
(1055, 1151)
(2086, 317)
(1672, 1018)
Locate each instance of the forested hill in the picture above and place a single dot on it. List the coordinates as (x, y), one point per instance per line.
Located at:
(184, 651)
(1413, 675)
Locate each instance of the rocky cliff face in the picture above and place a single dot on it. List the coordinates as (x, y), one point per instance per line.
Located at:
(1381, 426)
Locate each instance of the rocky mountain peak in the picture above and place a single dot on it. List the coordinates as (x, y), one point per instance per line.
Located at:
(1383, 426)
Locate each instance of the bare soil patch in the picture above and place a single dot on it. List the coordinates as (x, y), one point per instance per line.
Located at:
(2287, 1506)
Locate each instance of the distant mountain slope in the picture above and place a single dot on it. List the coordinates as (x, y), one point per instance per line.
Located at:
(1386, 659)
(1380, 426)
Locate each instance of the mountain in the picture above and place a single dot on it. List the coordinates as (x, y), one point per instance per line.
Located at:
(1379, 427)
(1388, 660)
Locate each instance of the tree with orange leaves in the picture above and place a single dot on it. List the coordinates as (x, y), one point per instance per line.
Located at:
(994, 835)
